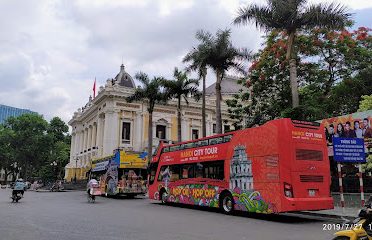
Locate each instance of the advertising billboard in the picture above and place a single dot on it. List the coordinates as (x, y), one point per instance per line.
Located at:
(349, 150)
(356, 125)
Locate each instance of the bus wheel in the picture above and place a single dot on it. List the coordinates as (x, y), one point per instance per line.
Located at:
(163, 196)
(227, 203)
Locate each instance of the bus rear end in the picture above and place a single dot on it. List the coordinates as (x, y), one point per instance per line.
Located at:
(305, 172)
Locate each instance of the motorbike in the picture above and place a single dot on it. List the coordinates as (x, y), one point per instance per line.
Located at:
(16, 196)
(360, 228)
(92, 192)
(56, 187)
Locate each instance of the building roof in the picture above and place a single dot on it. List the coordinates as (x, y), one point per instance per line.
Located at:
(124, 79)
(229, 85)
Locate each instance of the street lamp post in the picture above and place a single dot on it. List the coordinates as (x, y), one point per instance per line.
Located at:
(76, 160)
(54, 165)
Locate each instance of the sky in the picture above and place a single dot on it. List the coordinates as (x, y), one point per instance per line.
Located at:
(51, 51)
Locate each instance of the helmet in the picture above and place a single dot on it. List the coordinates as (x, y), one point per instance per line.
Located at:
(19, 180)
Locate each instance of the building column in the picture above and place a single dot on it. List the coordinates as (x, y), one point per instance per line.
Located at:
(82, 141)
(90, 131)
(76, 148)
(94, 135)
(99, 135)
(102, 134)
(183, 129)
(84, 147)
(137, 132)
(111, 132)
(87, 138)
(72, 147)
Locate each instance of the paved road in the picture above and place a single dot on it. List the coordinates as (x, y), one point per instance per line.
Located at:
(68, 216)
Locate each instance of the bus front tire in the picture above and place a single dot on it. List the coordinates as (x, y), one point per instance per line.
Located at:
(163, 196)
(227, 203)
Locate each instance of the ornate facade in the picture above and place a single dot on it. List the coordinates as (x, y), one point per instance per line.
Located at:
(108, 122)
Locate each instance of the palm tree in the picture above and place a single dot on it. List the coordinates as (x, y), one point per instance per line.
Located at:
(197, 59)
(221, 56)
(292, 16)
(181, 87)
(152, 93)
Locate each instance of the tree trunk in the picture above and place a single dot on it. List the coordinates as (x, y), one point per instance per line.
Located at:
(293, 70)
(179, 120)
(204, 127)
(218, 103)
(294, 84)
(6, 176)
(149, 147)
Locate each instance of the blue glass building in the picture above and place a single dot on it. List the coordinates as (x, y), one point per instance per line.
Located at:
(7, 111)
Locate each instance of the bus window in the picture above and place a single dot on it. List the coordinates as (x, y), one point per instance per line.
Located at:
(214, 170)
(166, 149)
(203, 143)
(174, 171)
(189, 145)
(217, 140)
(182, 146)
(174, 148)
(199, 170)
(227, 138)
(187, 171)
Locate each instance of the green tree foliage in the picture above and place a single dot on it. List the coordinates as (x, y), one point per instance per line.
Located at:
(7, 156)
(238, 107)
(151, 91)
(366, 103)
(221, 56)
(197, 61)
(29, 144)
(292, 17)
(333, 74)
(346, 95)
(57, 129)
(181, 88)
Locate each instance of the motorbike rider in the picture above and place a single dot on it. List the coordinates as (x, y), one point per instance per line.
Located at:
(19, 186)
(92, 182)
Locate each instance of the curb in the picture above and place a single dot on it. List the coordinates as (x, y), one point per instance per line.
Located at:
(45, 190)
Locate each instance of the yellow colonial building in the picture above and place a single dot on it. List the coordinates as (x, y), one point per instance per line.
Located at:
(108, 122)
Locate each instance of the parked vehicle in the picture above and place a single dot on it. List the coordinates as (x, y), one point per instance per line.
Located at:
(27, 185)
(56, 187)
(122, 173)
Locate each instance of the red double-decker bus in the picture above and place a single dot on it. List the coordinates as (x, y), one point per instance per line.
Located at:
(281, 166)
